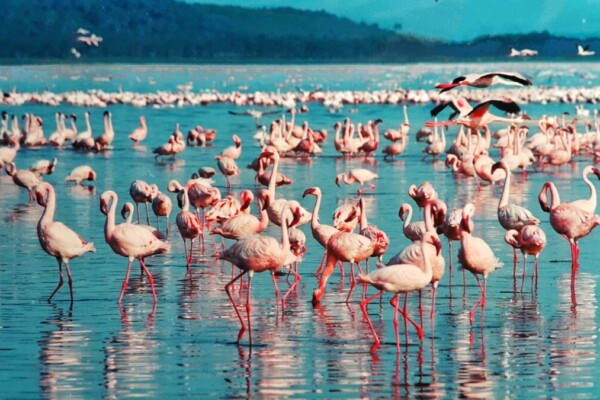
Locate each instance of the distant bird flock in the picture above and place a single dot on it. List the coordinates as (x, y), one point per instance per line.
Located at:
(345, 239)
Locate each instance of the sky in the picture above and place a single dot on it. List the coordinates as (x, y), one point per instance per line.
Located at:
(456, 20)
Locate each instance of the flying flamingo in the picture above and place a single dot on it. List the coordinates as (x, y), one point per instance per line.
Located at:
(512, 216)
(80, 174)
(476, 256)
(531, 240)
(141, 192)
(357, 175)
(56, 238)
(129, 240)
(188, 224)
(400, 278)
(569, 221)
(480, 116)
(140, 132)
(24, 178)
(259, 253)
(486, 80)
(321, 232)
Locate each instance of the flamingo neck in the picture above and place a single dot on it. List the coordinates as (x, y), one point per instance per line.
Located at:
(49, 210)
(554, 196)
(505, 189)
(186, 201)
(109, 225)
(273, 180)
(285, 239)
(314, 221)
(363, 215)
(87, 123)
(408, 217)
(592, 188)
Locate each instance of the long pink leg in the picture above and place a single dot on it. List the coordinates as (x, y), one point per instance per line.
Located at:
(407, 317)
(249, 306)
(394, 302)
(231, 282)
(147, 214)
(70, 279)
(137, 209)
(276, 287)
(352, 282)
(294, 285)
(150, 278)
(60, 282)
(524, 270)
(321, 264)
(363, 306)
(126, 281)
(320, 291)
(432, 314)
(480, 302)
(515, 260)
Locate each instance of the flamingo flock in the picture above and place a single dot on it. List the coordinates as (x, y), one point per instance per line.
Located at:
(421, 263)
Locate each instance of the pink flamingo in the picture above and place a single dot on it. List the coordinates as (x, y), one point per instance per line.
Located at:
(512, 216)
(588, 204)
(242, 224)
(346, 217)
(380, 240)
(423, 194)
(80, 174)
(345, 247)
(569, 221)
(142, 192)
(357, 175)
(486, 80)
(531, 240)
(400, 278)
(24, 178)
(129, 240)
(140, 132)
(56, 238)
(476, 256)
(161, 206)
(451, 229)
(321, 232)
(234, 152)
(259, 253)
(200, 193)
(189, 226)
(228, 167)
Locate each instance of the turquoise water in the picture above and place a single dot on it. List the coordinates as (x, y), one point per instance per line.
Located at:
(537, 343)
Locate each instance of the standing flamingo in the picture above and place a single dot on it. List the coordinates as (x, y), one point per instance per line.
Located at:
(357, 175)
(531, 240)
(141, 192)
(24, 178)
(129, 240)
(569, 221)
(234, 152)
(161, 206)
(243, 224)
(80, 174)
(56, 238)
(476, 256)
(228, 167)
(400, 278)
(140, 132)
(321, 232)
(188, 224)
(379, 238)
(589, 204)
(259, 253)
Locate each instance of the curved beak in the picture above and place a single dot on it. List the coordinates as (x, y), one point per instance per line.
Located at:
(308, 191)
(40, 198)
(103, 206)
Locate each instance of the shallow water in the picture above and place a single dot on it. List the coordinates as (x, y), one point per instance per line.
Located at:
(536, 342)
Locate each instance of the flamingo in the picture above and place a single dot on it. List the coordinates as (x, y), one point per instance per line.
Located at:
(259, 253)
(321, 232)
(234, 152)
(480, 116)
(161, 206)
(242, 224)
(188, 224)
(486, 80)
(346, 217)
(80, 174)
(141, 192)
(379, 238)
(451, 229)
(423, 194)
(569, 221)
(200, 192)
(228, 167)
(56, 238)
(589, 204)
(400, 278)
(140, 132)
(24, 178)
(400, 134)
(476, 256)
(44, 167)
(531, 240)
(512, 216)
(106, 138)
(129, 240)
(357, 175)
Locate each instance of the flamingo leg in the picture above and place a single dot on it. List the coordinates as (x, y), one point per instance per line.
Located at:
(294, 285)
(231, 282)
(321, 264)
(70, 279)
(249, 305)
(480, 302)
(407, 317)
(394, 302)
(363, 306)
(60, 282)
(126, 281)
(150, 278)
(276, 287)
(352, 282)
(434, 286)
(515, 260)
(320, 291)
(147, 214)
(157, 223)
(524, 270)
(137, 209)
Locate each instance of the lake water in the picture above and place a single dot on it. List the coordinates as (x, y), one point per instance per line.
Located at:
(535, 343)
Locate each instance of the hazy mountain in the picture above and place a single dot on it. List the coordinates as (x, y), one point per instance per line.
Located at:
(172, 31)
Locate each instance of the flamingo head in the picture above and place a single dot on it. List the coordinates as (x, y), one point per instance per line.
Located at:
(497, 165)
(266, 154)
(512, 238)
(440, 209)
(467, 213)
(310, 191)
(180, 196)
(543, 198)
(338, 179)
(41, 194)
(237, 141)
(174, 186)
(404, 208)
(296, 215)
(265, 199)
(596, 172)
(125, 210)
(104, 199)
(11, 168)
